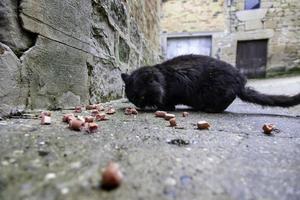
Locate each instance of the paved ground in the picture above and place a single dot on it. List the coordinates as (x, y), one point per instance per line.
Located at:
(232, 160)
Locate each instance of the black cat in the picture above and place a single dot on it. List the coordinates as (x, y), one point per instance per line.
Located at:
(202, 82)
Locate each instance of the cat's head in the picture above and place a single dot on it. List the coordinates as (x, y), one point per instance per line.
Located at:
(144, 87)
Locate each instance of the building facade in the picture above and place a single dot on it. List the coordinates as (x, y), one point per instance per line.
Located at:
(260, 37)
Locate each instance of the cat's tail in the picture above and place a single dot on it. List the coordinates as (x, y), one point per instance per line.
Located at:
(249, 95)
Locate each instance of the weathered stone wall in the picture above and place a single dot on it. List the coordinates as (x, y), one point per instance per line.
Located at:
(277, 21)
(227, 23)
(193, 16)
(72, 52)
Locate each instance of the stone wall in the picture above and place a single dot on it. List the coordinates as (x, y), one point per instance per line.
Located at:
(277, 21)
(193, 16)
(227, 22)
(67, 52)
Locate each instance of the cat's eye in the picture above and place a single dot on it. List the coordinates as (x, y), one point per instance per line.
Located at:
(142, 97)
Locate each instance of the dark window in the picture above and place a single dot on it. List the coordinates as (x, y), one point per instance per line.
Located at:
(252, 4)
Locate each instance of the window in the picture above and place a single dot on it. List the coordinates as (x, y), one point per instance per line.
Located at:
(252, 4)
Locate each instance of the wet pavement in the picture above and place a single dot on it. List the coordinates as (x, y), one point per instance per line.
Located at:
(234, 159)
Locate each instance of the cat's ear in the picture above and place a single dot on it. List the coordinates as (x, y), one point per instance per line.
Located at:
(125, 77)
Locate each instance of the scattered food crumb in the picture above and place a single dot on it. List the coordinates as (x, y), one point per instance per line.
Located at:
(45, 113)
(92, 127)
(173, 122)
(268, 128)
(78, 109)
(46, 120)
(101, 117)
(76, 124)
(203, 125)
(91, 107)
(94, 112)
(89, 119)
(160, 114)
(169, 116)
(100, 107)
(111, 111)
(111, 176)
(68, 117)
(130, 111)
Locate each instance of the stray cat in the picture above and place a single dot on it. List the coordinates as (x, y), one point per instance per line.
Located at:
(201, 82)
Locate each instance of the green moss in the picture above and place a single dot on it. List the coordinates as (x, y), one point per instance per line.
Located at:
(292, 72)
(124, 51)
(111, 96)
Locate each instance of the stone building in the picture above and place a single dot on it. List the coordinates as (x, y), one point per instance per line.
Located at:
(58, 53)
(260, 37)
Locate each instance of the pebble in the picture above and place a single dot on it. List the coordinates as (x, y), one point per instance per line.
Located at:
(65, 190)
(43, 152)
(5, 163)
(111, 176)
(170, 181)
(50, 176)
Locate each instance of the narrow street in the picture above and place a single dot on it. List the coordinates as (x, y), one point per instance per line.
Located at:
(234, 159)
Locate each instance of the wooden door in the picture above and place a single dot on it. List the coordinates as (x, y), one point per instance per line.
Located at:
(188, 45)
(251, 58)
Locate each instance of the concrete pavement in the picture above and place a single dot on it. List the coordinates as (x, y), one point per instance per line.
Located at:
(232, 160)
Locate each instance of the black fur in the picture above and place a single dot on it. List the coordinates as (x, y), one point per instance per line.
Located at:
(201, 82)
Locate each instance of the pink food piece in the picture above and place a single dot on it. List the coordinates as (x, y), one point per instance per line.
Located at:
(46, 120)
(76, 124)
(160, 114)
(111, 111)
(111, 176)
(89, 119)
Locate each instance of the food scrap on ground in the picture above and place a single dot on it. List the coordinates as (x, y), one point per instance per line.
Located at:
(89, 119)
(268, 128)
(169, 116)
(76, 124)
(78, 109)
(173, 122)
(45, 113)
(68, 117)
(203, 125)
(91, 107)
(94, 112)
(130, 111)
(111, 111)
(101, 116)
(46, 120)
(160, 114)
(111, 176)
(91, 127)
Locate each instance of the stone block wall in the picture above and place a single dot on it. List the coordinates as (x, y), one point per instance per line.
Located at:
(193, 16)
(277, 21)
(227, 22)
(68, 52)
